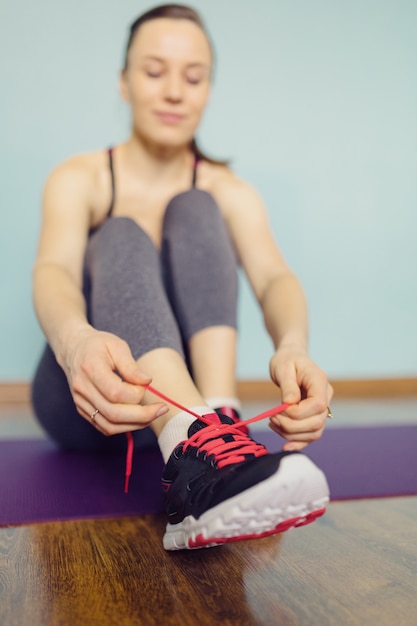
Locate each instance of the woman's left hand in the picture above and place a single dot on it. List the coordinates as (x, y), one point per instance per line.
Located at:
(304, 385)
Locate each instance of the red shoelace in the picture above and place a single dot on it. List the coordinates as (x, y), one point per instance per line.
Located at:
(210, 441)
(223, 452)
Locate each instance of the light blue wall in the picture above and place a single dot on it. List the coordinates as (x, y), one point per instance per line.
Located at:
(314, 100)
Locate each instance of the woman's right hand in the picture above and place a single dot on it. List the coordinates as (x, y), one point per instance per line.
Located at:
(103, 375)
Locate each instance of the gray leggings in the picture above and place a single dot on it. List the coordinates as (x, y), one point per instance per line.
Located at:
(150, 298)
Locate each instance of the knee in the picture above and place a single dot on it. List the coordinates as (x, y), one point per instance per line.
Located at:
(118, 231)
(119, 240)
(195, 208)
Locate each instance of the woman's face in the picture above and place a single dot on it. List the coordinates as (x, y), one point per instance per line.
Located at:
(167, 80)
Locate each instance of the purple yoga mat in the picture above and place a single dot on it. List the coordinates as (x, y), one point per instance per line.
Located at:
(38, 482)
(365, 462)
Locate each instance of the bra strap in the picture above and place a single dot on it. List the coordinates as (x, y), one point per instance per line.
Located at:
(194, 181)
(113, 185)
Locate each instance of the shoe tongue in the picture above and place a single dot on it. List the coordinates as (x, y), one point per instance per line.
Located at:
(209, 418)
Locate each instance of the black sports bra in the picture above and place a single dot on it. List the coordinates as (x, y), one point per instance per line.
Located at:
(113, 184)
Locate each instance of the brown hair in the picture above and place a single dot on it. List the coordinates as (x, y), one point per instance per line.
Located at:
(176, 12)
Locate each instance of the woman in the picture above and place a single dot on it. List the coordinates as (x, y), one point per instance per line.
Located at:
(135, 283)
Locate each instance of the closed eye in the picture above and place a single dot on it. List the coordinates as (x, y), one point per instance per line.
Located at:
(193, 81)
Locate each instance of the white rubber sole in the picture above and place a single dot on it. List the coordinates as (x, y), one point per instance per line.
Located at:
(295, 495)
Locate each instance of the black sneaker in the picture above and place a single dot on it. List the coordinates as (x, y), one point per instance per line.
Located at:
(223, 486)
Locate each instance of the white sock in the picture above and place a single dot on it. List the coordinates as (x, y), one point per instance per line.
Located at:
(216, 402)
(176, 430)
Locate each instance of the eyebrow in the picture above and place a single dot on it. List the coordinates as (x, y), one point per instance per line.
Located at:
(150, 57)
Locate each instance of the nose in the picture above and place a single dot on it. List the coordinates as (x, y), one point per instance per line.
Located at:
(174, 87)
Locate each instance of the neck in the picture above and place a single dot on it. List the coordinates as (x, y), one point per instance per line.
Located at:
(157, 160)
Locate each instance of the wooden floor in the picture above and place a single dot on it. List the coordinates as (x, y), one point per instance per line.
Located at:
(357, 565)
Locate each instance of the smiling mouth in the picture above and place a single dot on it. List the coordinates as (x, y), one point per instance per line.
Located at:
(169, 118)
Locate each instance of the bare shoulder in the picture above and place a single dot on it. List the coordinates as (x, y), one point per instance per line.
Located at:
(81, 180)
(71, 206)
(78, 169)
(233, 194)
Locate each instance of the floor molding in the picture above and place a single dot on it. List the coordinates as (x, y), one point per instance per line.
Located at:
(251, 390)
(18, 393)
(15, 394)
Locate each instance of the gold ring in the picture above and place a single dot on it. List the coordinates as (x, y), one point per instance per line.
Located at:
(329, 413)
(93, 415)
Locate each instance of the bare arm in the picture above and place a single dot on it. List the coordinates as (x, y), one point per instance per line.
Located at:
(284, 308)
(99, 367)
(57, 273)
(275, 286)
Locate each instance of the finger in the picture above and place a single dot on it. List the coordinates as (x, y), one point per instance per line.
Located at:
(122, 418)
(291, 426)
(116, 375)
(123, 415)
(97, 376)
(95, 421)
(88, 412)
(119, 406)
(290, 390)
(315, 398)
(306, 437)
(309, 407)
(111, 387)
(294, 446)
(118, 413)
(299, 440)
(126, 366)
